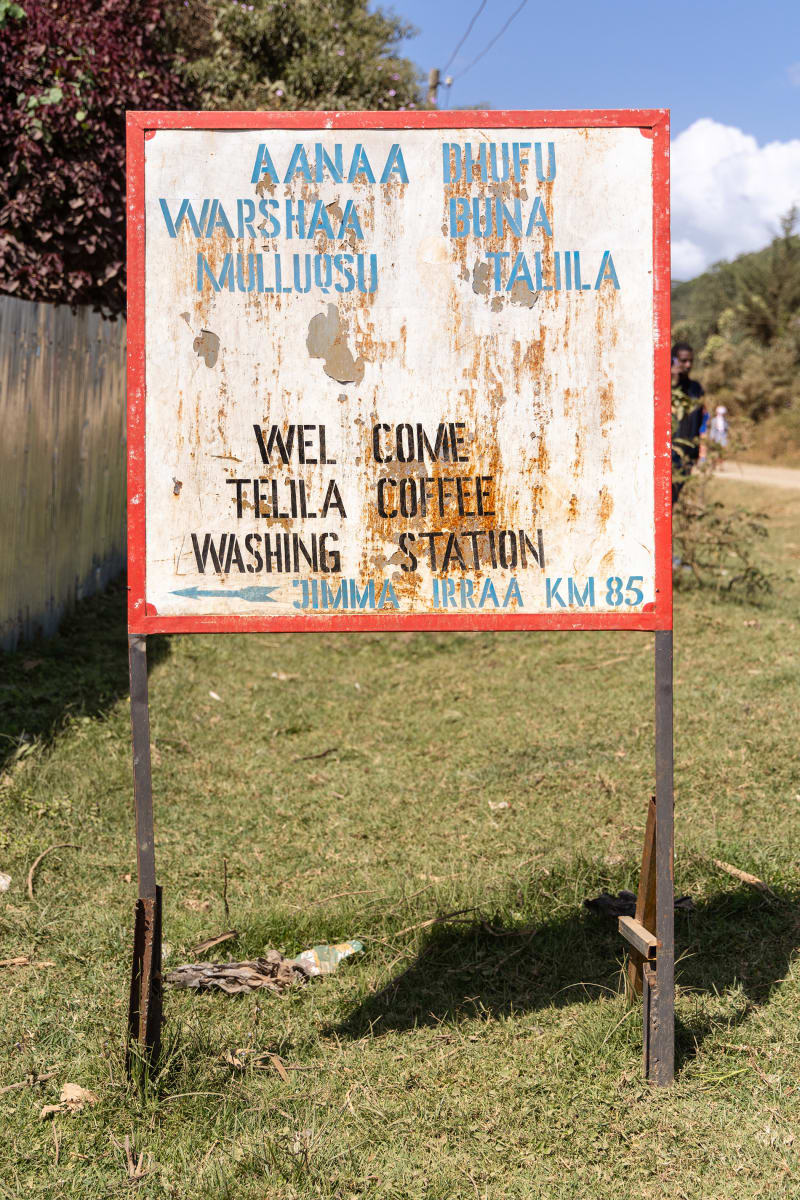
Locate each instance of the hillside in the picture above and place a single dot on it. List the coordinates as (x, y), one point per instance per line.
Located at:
(743, 319)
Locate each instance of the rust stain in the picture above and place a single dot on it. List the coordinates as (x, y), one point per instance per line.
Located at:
(442, 481)
(376, 349)
(607, 403)
(473, 188)
(605, 506)
(577, 462)
(607, 561)
(543, 458)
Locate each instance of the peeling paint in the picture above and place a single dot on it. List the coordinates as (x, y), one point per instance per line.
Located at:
(327, 340)
(206, 346)
(523, 295)
(480, 279)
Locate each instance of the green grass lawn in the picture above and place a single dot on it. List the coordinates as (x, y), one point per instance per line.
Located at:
(359, 786)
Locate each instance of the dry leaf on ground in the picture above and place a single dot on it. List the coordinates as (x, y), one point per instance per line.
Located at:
(73, 1100)
(258, 1060)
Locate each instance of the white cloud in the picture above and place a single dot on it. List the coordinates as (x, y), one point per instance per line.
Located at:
(728, 193)
(688, 259)
(793, 73)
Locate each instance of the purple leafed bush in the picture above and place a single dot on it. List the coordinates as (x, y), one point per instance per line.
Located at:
(68, 71)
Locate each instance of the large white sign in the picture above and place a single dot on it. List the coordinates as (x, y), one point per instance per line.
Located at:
(398, 373)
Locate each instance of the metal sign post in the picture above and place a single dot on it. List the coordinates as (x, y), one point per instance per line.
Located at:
(402, 371)
(144, 1008)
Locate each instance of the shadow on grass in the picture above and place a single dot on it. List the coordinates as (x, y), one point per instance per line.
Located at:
(736, 939)
(81, 671)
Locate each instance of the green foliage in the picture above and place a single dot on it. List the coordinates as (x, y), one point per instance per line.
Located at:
(10, 11)
(713, 543)
(270, 55)
(743, 318)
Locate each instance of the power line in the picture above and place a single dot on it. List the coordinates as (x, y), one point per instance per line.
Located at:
(496, 38)
(480, 9)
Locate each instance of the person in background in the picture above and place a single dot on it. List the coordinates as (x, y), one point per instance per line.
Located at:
(689, 417)
(718, 429)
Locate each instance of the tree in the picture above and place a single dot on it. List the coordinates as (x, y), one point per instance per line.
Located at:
(743, 317)
(769, 287)
(274, 54)
(70, 68)
(68, 71)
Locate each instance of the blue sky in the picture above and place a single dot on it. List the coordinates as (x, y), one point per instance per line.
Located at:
(729, 71)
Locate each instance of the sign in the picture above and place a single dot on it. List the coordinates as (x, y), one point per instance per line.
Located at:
(398, 370)
(401, 370)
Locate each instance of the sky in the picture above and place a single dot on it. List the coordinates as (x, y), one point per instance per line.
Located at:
(728, 70)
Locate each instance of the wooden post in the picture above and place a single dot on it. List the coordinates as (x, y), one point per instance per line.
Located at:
(646, 896)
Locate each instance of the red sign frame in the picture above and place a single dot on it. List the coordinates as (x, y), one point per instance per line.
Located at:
(144, 619)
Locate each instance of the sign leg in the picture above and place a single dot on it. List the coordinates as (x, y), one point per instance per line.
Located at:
(649, 1005)
(144, 1010)
(661, 999)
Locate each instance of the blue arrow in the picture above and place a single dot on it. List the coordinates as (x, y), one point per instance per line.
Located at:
(255, 595)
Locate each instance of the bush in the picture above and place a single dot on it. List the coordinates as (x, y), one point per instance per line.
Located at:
(70, 68)
(68, 71)
(712, 544)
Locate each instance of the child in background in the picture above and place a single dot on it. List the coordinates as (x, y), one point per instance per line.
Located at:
(718, 431)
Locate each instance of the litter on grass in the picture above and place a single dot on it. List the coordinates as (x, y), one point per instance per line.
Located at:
(272, 972)
(5, 882)
(324, 960)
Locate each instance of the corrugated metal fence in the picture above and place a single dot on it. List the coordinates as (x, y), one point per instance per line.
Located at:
(62, 462)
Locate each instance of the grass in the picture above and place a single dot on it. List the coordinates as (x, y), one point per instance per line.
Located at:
(353, 785)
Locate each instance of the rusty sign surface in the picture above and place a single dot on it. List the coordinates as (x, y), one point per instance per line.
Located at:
(398, 369)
